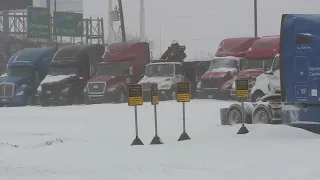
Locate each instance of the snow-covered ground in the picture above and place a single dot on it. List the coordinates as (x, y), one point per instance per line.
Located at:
(93, 143)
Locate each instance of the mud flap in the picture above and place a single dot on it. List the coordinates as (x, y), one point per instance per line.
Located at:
(223, 116)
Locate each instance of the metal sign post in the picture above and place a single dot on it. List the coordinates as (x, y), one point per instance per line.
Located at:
(183, 95)
(135, 99)
(155, 102)
(242, 93)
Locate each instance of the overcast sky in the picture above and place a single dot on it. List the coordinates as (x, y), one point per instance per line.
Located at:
(200, 24)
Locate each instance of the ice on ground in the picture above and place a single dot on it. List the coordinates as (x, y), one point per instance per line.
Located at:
(93, 143)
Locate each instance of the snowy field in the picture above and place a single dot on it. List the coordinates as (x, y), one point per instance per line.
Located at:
(93, 143)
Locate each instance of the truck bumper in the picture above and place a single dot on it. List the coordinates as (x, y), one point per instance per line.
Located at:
(214, 93)
(100, 98)
(163, 95)
(13, 101)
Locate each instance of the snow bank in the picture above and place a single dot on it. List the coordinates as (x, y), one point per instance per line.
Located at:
(93, 142)
(51, 79)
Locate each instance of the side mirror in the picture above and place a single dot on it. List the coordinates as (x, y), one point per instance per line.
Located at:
(92, 72)
(131, 70)
(37, 77)
(269, 73)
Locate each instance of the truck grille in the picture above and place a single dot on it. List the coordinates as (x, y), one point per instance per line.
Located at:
(146, 86)
(6, 90)
(210, 83)
(96, 87)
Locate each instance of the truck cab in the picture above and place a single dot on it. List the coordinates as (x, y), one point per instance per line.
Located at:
(224, 68)
(258, 60)
(267, 82)
(25, 70)
(123, 63)
(69, 70)
(165, 75)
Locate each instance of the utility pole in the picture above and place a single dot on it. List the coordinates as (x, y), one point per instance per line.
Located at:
(142, 22)
(122, 21)
(110, 24)
(255, 18)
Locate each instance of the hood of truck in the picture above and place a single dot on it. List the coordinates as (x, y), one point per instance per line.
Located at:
(50, 79)
(218, 73)
(100, 78)
(252, 72)
(103, 78)
(154, 80)
(18, 80)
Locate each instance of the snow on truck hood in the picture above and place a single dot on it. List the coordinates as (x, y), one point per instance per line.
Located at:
(52, 79)
(154, 79)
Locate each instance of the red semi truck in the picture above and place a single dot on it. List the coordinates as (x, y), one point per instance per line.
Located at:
(258, 60)
(224, 68)
(123, 63)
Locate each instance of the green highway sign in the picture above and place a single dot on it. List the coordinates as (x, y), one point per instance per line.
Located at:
(67, 24)
(39, 22)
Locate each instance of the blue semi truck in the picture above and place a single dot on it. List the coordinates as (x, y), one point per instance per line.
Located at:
(24, 72)
(299, 102)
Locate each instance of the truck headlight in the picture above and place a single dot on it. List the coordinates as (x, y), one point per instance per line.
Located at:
(65, 90)
(166, 86)
(20, 93)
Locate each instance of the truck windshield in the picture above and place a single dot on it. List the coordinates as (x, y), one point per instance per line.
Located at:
(63, 71)
(112, 69)
(256, 63)
(20, 71)
(160, 70)
(223, 63)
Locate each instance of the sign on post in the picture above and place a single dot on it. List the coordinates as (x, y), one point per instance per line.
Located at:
(183, 91)
(67, 24)
(135, 95)
(154, 94)
(242, 88)
(39, 22)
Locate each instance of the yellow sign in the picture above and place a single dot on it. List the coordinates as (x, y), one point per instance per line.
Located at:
(154, 94)
(183, 92)
(242, 88)
(135, 95)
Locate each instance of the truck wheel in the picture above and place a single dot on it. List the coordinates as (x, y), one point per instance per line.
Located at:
(172, 95)
(30, 100)
(121, 97)
(257, 96)
(234, 116)
(262, 115)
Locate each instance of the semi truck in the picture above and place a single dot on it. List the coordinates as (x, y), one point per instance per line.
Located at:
(224, 68)
(123, 63)
(25, 70)
(165, 72)
(298, 103)
(71, 67)
(258, 60)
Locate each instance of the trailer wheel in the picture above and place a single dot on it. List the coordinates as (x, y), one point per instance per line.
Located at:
(262, 115)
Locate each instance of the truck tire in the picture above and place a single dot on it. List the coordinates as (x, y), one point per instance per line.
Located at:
(122, 98)
(262, 115)
(172, 94)
(256, 96)
(30, 100)
(234, 115)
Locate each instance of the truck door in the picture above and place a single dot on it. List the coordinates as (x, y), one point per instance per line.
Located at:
(274, 77)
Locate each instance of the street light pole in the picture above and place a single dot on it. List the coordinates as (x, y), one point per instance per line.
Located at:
(255, 18)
